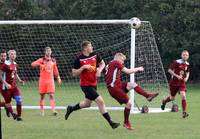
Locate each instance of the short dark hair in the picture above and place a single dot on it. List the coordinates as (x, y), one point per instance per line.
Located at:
(85, 43)
(3, 51)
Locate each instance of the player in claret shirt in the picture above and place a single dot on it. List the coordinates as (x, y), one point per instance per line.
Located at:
(89, 65)
(179, 70)
(10, 89)
(118, 89)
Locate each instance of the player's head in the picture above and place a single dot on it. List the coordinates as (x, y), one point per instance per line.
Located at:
(3, 55)
(47, 51)
(185, 55)
(120, 57)
(87, 46)
(12, 55)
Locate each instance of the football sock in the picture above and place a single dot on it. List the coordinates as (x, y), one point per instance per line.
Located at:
(42, 105)
(76, 107)
(52, 103)
(107, 117)
(184, 105)
(126, 114)
(167, 100)
(19, 110)
(141, 91)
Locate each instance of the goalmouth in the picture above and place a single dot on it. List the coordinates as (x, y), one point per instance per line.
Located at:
(29, 37)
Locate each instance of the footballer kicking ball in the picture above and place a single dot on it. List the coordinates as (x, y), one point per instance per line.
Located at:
(135, 22)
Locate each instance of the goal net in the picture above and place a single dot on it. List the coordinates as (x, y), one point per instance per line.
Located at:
(29, 38)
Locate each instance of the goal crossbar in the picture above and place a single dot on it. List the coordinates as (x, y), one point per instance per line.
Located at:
(12, 22)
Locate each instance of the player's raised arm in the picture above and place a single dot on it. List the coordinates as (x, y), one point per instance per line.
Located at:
(101, 65)
(133, 70)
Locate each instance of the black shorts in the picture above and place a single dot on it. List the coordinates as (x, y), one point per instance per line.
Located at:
(90, 92)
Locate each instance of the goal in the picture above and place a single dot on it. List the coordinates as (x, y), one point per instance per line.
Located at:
(29, 38)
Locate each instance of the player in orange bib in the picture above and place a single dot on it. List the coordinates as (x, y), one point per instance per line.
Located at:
(48, 69)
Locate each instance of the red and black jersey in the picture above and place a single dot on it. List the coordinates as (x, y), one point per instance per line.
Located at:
(88, 77)
(113, 73)
(9, 75)
(180, 68)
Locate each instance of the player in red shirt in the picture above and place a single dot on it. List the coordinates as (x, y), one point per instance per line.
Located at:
(10, 89)
(179, 71)
(118, 89)
(89, 65)
(3, 57)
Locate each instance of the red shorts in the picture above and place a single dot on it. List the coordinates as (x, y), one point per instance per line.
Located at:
(174, 89)
(10, 93)
(119, 93)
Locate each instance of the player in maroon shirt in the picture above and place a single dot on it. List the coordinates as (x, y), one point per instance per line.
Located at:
(10, 89)
(179, 71)
(3, 57)
(89, 65)
(118, 89)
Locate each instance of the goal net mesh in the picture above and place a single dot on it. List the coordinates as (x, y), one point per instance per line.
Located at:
(29, 40)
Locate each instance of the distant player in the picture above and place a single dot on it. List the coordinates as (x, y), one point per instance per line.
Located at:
(3, 57)
(48, 68)
(179, 71)
(10, 90)
(88, 66)
(118, 89)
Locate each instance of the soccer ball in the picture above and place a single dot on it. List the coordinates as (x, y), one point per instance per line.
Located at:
(135, 22)
(145, 109)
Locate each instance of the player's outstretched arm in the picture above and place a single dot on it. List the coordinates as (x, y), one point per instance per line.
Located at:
(77, 72)
(133, 70)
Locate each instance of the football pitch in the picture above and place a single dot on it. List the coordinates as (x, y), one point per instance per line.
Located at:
(87, 124)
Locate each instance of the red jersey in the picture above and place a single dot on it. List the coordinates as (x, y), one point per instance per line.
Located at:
(87, 78)
(181, 68)
(113, 73)
(10, 71)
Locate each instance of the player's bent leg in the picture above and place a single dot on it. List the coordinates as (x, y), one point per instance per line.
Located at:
(141, 91)
(83, 104)
(184, 104)
(52, 103)
(102, 108)
(127, 109)
(42, 96)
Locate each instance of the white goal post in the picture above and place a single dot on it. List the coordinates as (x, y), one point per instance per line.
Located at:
(142, 49)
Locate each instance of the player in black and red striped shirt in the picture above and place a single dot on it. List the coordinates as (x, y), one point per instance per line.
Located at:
(89, 65)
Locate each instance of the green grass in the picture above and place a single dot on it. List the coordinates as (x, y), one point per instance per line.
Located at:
(90, 124)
